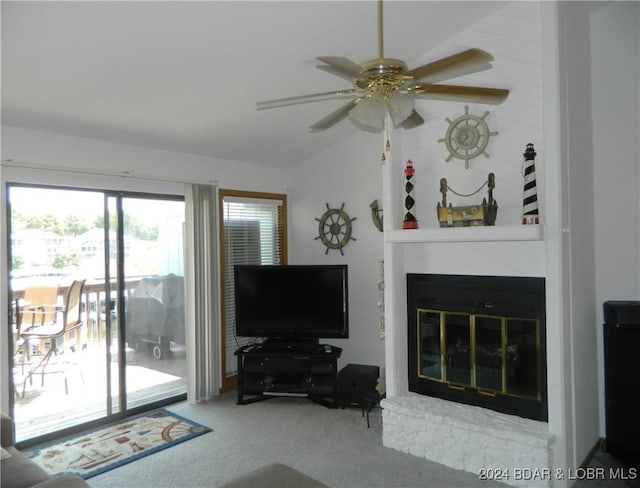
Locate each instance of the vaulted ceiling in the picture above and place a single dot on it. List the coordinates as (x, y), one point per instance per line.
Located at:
(186, 76)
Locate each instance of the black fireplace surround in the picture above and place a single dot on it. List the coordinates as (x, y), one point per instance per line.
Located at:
(479, 340)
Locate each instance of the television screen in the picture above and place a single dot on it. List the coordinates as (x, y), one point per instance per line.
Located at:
(292, 302)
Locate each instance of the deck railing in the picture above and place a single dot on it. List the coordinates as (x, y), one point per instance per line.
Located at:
(95, 304)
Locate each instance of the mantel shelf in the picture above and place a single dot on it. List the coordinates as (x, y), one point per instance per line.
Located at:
(466, 234)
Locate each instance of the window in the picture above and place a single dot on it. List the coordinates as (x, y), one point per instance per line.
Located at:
(253, 232)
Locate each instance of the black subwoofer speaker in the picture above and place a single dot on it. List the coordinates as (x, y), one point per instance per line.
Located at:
(357, 385)
(622, 380)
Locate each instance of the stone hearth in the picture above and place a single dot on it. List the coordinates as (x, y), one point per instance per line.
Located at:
(470, 438)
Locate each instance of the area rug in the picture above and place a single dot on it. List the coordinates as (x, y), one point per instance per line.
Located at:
(94, 452)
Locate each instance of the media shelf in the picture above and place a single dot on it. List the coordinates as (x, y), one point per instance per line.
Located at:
(265, 372)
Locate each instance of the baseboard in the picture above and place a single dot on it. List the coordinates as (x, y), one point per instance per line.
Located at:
(592, 452)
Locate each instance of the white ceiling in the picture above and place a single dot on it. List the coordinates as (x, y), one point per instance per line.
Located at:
(185, 76)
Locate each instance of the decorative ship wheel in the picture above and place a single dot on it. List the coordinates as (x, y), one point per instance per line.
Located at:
(334, 228)
(467, 137)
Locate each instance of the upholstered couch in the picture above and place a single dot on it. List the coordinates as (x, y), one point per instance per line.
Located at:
(276, 475)
(18, 471)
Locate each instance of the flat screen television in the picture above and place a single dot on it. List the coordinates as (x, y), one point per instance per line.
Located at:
(292, 302)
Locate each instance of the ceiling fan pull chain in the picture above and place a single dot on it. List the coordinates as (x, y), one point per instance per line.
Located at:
(386, 132)
(385, 139)
(383, 158)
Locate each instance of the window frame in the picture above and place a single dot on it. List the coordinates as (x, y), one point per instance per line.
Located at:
(230, 383)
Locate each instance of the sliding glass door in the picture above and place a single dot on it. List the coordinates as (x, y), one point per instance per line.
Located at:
(154, 325)
(126, 250)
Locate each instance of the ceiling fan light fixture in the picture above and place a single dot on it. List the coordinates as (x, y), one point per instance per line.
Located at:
(386, 88)
(370, 111)
(400, 107)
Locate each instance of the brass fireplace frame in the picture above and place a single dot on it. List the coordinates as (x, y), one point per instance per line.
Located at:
(473, 347)
(490, 301)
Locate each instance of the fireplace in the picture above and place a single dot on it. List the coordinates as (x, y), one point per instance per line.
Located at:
(479, 340)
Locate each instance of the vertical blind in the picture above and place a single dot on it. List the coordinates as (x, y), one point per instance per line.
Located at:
(253, 234)
(200, 286)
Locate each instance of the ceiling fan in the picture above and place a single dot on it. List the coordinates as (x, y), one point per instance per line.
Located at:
(386, 86)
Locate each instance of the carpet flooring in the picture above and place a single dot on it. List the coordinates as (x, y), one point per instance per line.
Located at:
(333, 446)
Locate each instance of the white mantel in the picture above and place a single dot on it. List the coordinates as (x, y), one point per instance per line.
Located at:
(466, 234)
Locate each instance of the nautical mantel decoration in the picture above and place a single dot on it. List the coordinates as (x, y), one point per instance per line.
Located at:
(468, 215)
(530, 195)
(334, 229)
(409, 221)
(467, 136)
(376, 215)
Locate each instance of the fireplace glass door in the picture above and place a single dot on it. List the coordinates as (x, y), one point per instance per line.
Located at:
(491, 354)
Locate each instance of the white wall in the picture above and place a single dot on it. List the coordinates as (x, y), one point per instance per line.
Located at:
(513, 36)
(45, 149)
(615, 69)
(348, 173)
(578, 184)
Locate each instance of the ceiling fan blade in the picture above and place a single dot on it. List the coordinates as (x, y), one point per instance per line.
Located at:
(463, 63)
(339, 66)
(414, 120)
(316, 97)
(457, 93)
(334, 117)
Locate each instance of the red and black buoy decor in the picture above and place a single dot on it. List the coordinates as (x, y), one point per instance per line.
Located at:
(409, 221)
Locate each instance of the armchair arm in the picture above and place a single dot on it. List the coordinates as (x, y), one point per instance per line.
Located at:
(6, 431)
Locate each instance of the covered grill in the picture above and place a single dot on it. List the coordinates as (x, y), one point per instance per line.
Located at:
(155, 314)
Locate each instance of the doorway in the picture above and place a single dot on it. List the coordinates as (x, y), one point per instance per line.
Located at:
(129, 353)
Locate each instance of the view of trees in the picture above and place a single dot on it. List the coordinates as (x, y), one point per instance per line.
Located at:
(70, 226)
(56, 233)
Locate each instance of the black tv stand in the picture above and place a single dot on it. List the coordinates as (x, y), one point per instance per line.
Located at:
(289, 345)
(266, 371)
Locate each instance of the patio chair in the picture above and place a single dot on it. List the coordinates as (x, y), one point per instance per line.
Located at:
(40, 299)
(65, 320)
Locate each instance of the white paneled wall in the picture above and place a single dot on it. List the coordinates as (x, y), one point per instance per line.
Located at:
(512, 36)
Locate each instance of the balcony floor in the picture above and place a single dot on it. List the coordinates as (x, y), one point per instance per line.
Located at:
(45, 407)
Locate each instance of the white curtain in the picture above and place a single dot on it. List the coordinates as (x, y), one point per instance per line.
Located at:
(203, 333)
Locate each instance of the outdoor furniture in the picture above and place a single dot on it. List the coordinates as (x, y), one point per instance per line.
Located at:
(37, 307)
(155, 314)
(64, 321)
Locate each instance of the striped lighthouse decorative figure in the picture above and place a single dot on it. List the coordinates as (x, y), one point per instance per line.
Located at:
(409, 221)
(530, 197)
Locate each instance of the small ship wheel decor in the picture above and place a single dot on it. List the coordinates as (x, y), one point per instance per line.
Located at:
(467, 136)
(334, 228)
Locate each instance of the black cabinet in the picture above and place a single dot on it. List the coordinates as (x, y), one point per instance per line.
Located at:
(622, 380)
(264, 373)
